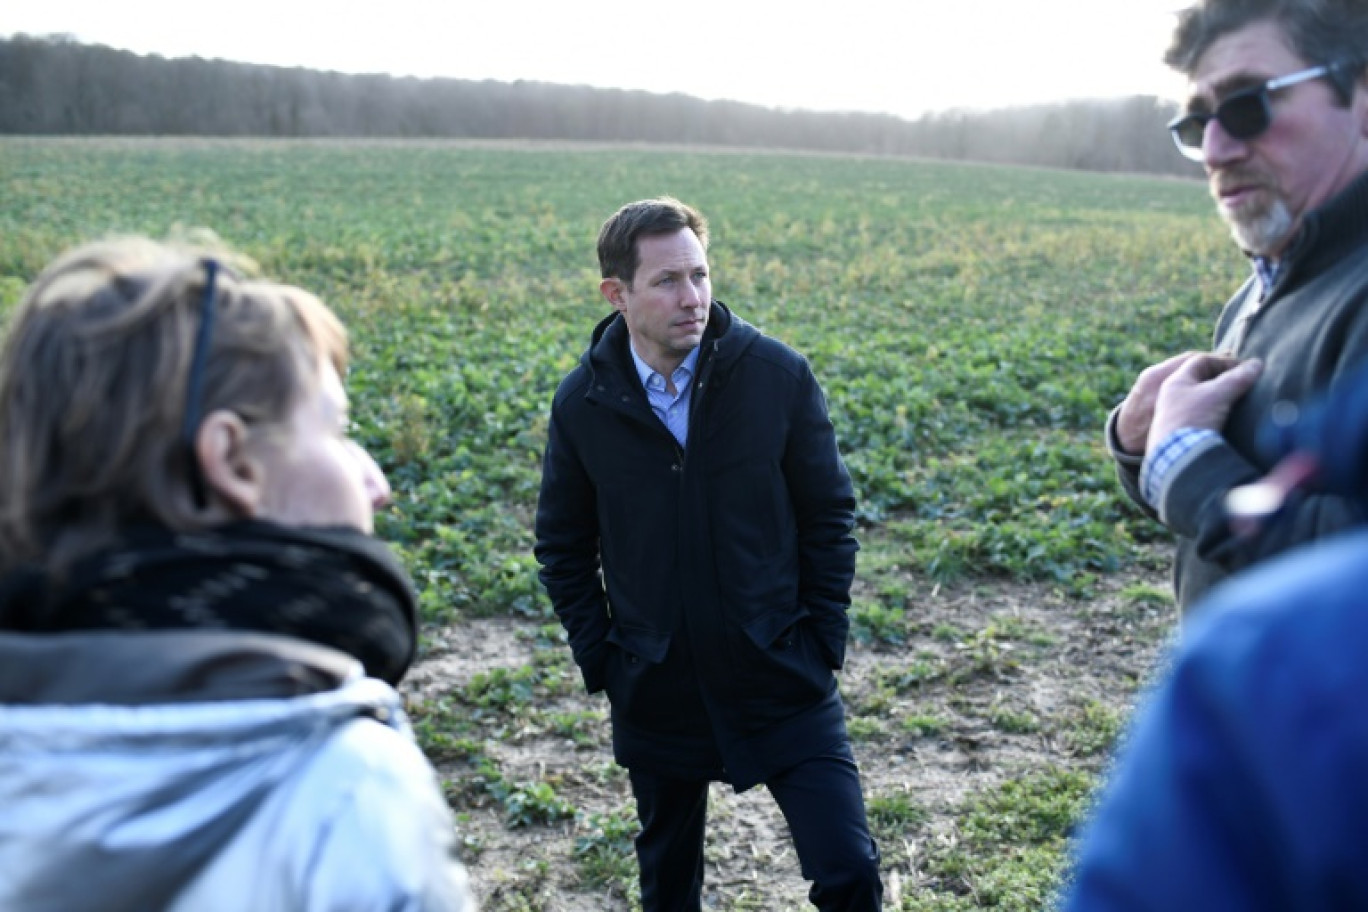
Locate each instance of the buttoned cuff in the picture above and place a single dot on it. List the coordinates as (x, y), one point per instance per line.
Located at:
(1165, 461)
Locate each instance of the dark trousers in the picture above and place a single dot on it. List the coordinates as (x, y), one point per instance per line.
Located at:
(820, 798)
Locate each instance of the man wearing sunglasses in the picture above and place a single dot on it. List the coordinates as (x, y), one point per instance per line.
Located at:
(1277, 113)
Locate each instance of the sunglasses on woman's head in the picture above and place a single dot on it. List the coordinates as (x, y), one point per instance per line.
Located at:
(194, 392)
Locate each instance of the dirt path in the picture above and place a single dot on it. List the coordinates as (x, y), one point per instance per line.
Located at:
(993, 680)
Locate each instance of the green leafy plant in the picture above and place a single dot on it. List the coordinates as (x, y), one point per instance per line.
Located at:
(604, 849)
(946, 310)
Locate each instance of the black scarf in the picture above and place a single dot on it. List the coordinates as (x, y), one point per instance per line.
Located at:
(337, 587)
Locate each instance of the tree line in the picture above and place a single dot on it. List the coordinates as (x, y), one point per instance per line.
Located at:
(55, 85)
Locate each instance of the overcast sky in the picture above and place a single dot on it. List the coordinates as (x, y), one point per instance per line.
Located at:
(901, 58)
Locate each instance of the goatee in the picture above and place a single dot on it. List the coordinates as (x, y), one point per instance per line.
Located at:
(1261, 233)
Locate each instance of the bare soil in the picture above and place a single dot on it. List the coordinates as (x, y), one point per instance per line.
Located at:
(1000, 652)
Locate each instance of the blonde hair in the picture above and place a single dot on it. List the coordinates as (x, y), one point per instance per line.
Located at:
(94, 373)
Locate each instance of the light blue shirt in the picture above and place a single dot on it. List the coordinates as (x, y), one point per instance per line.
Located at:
(673, 411)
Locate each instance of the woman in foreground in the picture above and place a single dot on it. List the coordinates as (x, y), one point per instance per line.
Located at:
(198, 634)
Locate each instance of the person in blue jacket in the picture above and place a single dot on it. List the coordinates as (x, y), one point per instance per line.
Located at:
(1242, 783)
(694, 531)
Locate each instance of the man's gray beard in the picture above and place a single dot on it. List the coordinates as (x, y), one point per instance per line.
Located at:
(1263, 234)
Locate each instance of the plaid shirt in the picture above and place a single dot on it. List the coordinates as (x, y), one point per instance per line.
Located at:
(1174, 451)
(1267, 271)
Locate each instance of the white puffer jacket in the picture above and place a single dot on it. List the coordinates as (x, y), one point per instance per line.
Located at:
(169, 794)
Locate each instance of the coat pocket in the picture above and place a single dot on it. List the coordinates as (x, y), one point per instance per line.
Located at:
(769, 627)
(785, 671)
(641, 644)
(640, 686)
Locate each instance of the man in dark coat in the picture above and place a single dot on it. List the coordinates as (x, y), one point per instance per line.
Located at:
(694, 533)
(1277, 112)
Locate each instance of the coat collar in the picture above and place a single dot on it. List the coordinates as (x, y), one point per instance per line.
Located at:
(1333, 231)
(726, 337)
(135, 667)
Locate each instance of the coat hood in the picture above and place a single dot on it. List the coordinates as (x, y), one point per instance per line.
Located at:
(724, 339)
(123, 668)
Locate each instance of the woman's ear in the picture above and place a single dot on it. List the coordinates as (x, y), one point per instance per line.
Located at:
(233, 475)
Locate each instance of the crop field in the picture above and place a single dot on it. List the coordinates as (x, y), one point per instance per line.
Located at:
(971, 325)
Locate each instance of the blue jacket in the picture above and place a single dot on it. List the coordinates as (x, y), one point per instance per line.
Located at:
(1244, 784)
(705, 589)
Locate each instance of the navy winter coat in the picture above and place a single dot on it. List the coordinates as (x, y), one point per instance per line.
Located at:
(1242, 783)
(705, 589)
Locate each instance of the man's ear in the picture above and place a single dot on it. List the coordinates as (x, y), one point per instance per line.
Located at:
(613, 290)
(233, 475)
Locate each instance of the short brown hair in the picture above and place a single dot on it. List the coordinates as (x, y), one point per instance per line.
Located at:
(617, 240)
(1319, 31)
(93, 385)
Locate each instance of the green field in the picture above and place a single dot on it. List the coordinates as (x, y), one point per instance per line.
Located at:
(972, 325)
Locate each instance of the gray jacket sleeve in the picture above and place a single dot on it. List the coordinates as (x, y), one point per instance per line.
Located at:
(1127, 466)
(1194, 507)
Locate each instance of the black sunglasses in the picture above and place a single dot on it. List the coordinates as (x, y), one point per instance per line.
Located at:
(194, 389)
(1243, 114)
